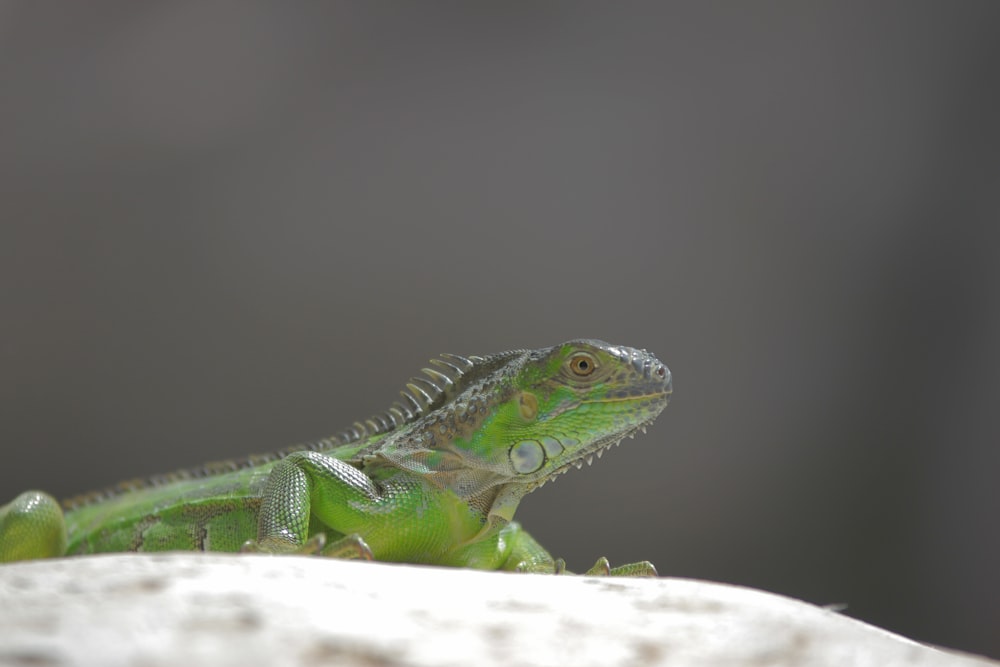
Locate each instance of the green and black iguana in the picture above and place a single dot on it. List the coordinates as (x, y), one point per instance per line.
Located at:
(434, 479)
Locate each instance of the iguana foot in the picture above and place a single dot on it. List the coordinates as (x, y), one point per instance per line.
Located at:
(602, 568)
(351, 546)
(276, 545)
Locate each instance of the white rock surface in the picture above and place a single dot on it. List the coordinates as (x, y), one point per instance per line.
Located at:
(219, 610)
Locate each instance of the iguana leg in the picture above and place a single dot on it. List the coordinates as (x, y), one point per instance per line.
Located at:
(310, 483)
(31, 526)
(527, 555)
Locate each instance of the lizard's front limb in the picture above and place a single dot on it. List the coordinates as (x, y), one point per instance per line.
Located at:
(32, 526)
(527, 555)
(306, 484)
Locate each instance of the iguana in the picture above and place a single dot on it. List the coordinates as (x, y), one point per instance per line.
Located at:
(434, 479)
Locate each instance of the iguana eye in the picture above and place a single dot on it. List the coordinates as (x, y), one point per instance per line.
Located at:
(582, 364)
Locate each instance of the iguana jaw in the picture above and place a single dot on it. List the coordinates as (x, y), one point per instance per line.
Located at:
(509, 495)
(587, 454)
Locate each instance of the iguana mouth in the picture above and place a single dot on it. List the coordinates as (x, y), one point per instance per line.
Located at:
(602, 445)
(658, 395)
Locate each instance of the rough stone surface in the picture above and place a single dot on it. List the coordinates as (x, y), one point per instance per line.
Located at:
(187, 609)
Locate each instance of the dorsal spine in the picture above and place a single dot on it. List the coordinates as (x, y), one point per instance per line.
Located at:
(421, 396)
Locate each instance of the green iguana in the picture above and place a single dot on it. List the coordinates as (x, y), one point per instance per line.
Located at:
(434, 479)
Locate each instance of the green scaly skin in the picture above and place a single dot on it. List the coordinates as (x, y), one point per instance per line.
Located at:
(435, 479)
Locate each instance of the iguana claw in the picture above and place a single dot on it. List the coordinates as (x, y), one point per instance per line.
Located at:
(601, 568)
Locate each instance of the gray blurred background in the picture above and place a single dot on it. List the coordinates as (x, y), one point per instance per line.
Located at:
(231, 226)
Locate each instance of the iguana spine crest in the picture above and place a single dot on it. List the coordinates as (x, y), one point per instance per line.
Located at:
(421, 395)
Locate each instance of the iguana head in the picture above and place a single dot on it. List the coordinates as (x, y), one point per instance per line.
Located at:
(518, 419)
